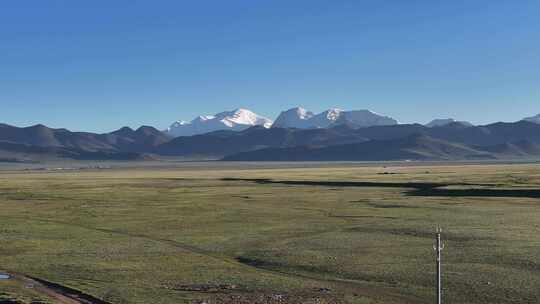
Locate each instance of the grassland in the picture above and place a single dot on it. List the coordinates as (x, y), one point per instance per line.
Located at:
(233, 235)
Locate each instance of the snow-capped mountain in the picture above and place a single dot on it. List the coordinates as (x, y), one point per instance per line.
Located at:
(535, 119)
(303, 119)
(235, 120)
(293, 118)
(325, 119)
(441, 122)
(365, 118)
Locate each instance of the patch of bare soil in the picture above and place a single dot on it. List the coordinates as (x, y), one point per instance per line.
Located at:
(209, 288)
(270, 298)
(61, 294)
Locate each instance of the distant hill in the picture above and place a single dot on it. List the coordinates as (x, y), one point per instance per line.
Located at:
(41, 142)
(492, 134)
(14, 152)
(520, 149)
(452, 141)
(415, 147)
(220, 143)
(124, 140)
(144, 139)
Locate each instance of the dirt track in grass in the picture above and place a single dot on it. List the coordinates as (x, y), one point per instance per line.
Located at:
(59, 293)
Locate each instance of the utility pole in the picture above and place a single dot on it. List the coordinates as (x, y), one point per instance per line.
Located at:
(438, 247)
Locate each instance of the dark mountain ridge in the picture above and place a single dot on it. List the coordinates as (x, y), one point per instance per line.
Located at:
(492, 134)
(406, 141)
(39, 140)
(450, 142)
(414, 147)
(221, 143)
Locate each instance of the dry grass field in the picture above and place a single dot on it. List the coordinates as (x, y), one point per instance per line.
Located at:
(346, 233)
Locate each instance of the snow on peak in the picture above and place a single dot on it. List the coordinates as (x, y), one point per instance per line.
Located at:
(236, 120)
(441, 122)
(203, 118)
(302, 113)
(298, 117)
(325, 119)
(293, 118)
(365, 118)
(333, 114)
(244, 117)
(535, 119)
(179, 123)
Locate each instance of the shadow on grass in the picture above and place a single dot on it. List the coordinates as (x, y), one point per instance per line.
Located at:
(523, 193)
(418, 188)
(338, 183)
(74, 294)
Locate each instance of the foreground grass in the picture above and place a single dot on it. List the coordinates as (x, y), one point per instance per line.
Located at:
(178, 235)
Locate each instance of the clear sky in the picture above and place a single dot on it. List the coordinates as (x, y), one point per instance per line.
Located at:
(102, 64)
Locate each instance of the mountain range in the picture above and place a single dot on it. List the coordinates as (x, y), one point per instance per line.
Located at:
(236, 120)
(299, 118)
(413, 142)
(302, 119)
(42, 143)
(297, 135)
(413, 147)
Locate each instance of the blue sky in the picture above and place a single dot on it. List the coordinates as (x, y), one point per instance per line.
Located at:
(98, 65)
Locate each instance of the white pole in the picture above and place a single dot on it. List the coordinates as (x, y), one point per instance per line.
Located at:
(438, 248)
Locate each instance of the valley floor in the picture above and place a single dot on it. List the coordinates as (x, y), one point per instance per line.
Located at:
(266, 233)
